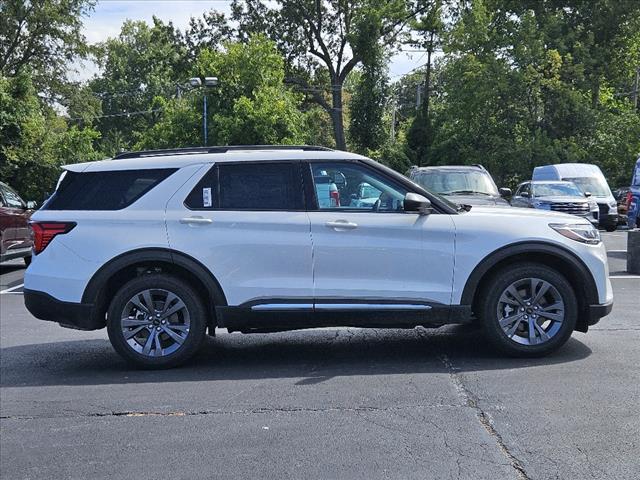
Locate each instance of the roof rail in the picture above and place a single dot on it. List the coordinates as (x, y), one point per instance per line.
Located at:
(223, 149)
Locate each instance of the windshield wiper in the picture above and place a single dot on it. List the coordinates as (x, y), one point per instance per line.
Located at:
(467, 192)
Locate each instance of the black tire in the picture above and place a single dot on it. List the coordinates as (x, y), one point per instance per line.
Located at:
(193, 307)
(611, 227)
(27, 260)
(489, 304)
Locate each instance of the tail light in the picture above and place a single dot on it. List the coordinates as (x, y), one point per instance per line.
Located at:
(628, 199)
(43, 232)
(335, 198)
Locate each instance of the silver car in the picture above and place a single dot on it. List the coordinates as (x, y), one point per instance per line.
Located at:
(559, 196)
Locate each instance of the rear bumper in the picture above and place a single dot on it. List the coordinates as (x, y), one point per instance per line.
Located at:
(597, 311)
(68, 314)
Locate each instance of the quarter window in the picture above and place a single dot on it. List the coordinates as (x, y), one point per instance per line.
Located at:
(112, 190)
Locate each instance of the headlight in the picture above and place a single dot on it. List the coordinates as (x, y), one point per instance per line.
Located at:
(542, 205)
(613, 207)
(580, 232)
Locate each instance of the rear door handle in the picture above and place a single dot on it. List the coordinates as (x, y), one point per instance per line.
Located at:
(195, 220)
(341, 225)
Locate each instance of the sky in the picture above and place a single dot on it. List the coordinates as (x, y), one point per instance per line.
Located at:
(108, 16)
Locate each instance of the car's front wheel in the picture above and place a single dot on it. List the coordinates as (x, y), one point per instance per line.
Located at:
(528, 310)
(156, 321)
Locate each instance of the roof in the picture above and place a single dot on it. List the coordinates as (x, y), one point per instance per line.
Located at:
(178, 158)
(451, 167)
(568, 170)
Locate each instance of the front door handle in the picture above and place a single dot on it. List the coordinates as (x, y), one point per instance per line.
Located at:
(195, 220)
(340, 225)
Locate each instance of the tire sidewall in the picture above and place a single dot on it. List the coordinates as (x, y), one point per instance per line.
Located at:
(194, 306)
(496, 286)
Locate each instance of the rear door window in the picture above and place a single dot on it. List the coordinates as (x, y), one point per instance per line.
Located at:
(249, 186)
(111, 190)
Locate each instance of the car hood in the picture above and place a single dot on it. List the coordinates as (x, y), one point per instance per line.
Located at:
(562, 199)
(477, 200)
(530, 213)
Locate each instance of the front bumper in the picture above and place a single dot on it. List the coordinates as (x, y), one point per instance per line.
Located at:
(79, 316)
(608, 219)
(597, 311)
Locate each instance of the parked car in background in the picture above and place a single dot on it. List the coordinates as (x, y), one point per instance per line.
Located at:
(462, 184)
(15, 239)
(622, 195)
(633, 200)
(589, 179)
(557, 196)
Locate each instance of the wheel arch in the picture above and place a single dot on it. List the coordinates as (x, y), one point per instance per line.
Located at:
(117, 271)
(553, 256)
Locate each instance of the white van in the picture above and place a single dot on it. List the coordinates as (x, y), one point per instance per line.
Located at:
(589, 179)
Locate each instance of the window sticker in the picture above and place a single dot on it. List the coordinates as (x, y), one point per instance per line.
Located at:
(206, 197)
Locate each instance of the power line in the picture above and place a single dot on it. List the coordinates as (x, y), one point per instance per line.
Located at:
(122, 114)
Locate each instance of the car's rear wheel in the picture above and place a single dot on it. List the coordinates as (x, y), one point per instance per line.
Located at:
(156, 321)
(528, 310)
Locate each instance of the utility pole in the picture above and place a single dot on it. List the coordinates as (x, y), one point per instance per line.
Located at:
(393, 122)
(636, 85)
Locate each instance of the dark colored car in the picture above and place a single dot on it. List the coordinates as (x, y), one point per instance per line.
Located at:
(462, 184)
(15, 239)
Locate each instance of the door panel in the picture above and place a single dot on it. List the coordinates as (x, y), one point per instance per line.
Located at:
(367, 247)
(252, 253)
(390, 256)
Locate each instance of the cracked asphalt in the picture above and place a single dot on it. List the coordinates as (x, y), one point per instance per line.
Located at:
(322, 404)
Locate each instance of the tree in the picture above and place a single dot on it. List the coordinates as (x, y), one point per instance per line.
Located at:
(142, 63)
(209, 32)
(250, 106)
(428, 28)
(328, 32)
(34, 141)
(43, 37)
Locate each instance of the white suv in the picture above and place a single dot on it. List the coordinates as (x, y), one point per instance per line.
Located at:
(161, 246)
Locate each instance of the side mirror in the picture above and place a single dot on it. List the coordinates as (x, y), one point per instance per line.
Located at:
(416, 203)
(525, 194)
(505, 192)
(31, 205)
(587, 194)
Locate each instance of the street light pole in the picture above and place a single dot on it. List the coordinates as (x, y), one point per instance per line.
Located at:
(204, 117)
(196, 82)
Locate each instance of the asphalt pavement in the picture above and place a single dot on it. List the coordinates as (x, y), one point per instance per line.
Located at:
(323, 404)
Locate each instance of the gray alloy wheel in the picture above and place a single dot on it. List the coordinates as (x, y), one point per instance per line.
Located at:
(155, 322)
(530, 311)
(527, 309)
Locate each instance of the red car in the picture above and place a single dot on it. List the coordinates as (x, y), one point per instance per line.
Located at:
(15, 240)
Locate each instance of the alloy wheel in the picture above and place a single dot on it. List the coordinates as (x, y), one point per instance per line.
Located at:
(155, 322)
(530, 311)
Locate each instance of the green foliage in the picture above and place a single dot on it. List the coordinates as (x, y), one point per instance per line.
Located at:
(42, 37)
(142, 63)
(251, 105)
(34, 141)
(526, 83)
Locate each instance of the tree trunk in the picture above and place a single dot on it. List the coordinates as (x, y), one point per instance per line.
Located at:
(336, 115)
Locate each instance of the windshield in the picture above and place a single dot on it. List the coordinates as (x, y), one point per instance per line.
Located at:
(556, 190)
(457, 182)
(594, 185)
